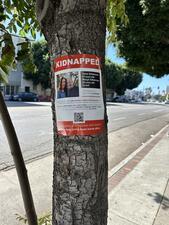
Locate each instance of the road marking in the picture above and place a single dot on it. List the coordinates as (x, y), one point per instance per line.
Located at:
(120, 118)
(159, 110)
(141, 114)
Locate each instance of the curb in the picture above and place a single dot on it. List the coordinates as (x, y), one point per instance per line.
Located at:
(118, 173)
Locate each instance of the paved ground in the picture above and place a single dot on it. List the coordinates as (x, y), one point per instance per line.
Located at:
(124, 115)
(138, 190)
(129, 125)
(33, 125)
(138, 187)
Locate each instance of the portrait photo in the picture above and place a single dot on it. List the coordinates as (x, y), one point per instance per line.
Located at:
(67, 85)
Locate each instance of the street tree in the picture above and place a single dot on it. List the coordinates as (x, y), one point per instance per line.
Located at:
(37, 65)
(80, 169)
(143, 42)
(119, 78)
(80, 178)
(113, 74)
(131, 79)
(148, 93)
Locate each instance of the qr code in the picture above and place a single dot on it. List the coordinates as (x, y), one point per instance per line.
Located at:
(78, 117)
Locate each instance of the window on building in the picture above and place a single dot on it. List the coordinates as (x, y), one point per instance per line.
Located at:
(7, 90)
(16, 89)
(27, 89)
(12, 90)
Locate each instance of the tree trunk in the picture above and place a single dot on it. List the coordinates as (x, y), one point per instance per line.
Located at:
(80, 162)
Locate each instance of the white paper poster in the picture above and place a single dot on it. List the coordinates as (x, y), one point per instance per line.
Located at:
(79, 98)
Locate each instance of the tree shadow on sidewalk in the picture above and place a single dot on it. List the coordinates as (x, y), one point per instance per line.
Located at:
(164, 201)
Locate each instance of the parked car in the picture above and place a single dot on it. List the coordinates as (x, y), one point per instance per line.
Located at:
(109, 99)
(138, 100)
(26, 96)
(120, 99)
(44, 98)
(8, 97)
(167, 102)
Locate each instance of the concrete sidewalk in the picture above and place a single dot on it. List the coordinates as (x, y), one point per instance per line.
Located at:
(138, 187)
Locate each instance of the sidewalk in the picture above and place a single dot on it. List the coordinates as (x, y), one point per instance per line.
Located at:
(139, 190)
(138, 187)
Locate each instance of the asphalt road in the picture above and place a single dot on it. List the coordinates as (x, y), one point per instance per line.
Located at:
(124, 115)
(33, 123)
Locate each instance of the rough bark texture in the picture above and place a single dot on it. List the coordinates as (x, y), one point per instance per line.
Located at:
(80, 162)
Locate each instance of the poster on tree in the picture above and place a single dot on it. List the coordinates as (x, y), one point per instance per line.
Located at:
(79, 98)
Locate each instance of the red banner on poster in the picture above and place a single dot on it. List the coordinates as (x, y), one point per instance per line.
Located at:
(90, 127)
(76, 61)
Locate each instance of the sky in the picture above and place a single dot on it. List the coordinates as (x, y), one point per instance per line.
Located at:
(148, 81)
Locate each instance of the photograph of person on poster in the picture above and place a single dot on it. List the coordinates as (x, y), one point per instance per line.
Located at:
(62, 90)
(67, 85)
(72, 87)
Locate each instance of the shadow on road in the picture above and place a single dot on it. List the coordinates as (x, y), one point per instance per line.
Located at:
(164, 201)
(25, 104)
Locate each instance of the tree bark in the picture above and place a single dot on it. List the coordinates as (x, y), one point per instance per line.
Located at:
(80, 162)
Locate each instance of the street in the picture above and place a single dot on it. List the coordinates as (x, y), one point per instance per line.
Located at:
(123, 115)
(33, 123)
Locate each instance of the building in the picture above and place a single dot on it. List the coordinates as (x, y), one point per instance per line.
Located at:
(167, 90)
(16, 81)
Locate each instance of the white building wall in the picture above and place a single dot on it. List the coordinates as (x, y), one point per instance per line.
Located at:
(25, 84)
(167, 89)
(16, 81)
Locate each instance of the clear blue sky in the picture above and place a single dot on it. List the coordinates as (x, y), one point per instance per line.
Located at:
(148, 81)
